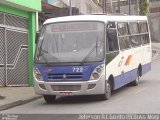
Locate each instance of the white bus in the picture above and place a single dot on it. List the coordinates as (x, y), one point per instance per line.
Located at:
(91, 54)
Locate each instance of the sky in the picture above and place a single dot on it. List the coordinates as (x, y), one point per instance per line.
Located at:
(51, 1)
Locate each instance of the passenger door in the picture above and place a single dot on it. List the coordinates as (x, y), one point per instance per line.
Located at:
(112, 53)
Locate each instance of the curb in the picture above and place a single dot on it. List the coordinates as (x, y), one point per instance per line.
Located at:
(18, 102)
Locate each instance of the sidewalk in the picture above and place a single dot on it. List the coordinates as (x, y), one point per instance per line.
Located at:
(13, 96)
(156, 45)
(155, 50)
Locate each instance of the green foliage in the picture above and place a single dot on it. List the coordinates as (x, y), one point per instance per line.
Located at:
(144, 7)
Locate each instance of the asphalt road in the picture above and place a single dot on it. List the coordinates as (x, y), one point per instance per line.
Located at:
(144, 98)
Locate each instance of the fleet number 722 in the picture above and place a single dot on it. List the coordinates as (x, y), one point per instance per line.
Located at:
(78, 69)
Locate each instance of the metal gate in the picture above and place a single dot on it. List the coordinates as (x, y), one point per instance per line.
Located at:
(13, 51)
(2, 57)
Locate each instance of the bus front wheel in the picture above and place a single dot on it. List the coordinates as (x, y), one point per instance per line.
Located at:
(108, 89)
(49, 98)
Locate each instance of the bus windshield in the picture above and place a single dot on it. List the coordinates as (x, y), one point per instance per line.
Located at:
(71, 42)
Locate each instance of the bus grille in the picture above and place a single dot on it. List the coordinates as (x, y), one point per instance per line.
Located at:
(76, 76)
(66, 87)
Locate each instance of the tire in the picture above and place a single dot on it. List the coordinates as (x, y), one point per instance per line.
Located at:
(49, 98)
(108, 90)
(136, 81)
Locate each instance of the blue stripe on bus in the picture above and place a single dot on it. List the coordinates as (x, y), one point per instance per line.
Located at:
(146, 68)
(129, 76)
(55, 73)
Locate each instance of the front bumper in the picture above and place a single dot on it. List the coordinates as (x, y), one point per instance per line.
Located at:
(90, 87)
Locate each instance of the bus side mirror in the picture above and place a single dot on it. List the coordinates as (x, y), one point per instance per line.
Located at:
(37, 37)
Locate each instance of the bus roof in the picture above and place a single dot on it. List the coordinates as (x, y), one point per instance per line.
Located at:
(102, 18)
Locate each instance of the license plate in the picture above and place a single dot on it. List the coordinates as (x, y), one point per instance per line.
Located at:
(65, 93)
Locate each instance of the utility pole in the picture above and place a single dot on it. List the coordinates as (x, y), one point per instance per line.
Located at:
(70, 8)
(104, 6)
(119, 6)
(111, 6)
(129, 5)
(137, 7)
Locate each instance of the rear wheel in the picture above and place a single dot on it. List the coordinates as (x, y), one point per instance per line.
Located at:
(49, 98)
(108, 90)
(136, 81)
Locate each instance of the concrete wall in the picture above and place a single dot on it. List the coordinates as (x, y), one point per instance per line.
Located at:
(154, 20)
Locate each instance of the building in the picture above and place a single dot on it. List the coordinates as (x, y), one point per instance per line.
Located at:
(84, 6)
(18, 24)
(52, 11)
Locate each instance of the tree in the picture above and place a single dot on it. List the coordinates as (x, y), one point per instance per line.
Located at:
(144, 7)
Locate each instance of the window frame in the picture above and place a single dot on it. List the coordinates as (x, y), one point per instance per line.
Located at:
(140, 36)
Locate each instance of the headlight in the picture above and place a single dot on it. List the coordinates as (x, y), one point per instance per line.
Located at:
(37, 74)
(97, 72)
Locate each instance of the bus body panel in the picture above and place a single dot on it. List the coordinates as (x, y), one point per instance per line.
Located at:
(126, 64)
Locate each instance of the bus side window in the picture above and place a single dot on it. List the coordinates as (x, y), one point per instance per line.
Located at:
(135, 38)
(143, 29)
(133, 28)
(122, 28)
(112, 39)
(123, 35)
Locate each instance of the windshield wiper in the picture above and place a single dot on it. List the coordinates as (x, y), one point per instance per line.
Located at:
(84, 59)
(41, 53)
